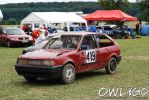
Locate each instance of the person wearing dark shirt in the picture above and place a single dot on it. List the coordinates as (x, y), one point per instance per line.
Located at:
(137, 28)
(44, 26)
(28, 30)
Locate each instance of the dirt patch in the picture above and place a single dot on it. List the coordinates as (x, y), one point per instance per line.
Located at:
(144, 58)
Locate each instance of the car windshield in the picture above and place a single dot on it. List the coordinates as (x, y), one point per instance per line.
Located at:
(16, 31)
(41, 44)
(63, 42)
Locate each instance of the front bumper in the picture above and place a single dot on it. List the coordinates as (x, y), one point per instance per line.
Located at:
(16, 43)
(38, 71)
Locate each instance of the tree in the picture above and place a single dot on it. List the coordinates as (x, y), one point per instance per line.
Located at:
(144, 5)
(11, 21)
(113, 4)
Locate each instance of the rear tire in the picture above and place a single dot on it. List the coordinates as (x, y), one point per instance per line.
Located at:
(30, 78)
(111, 66)
(68, 74)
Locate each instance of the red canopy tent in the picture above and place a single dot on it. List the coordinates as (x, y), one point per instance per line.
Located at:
(116, 15)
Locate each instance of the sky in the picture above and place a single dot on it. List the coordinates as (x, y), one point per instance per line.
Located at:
(22, 1)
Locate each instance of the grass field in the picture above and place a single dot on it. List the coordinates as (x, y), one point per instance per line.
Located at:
(133, 71)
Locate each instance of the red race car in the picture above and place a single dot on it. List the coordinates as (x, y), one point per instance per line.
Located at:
(14, 37)
(67, 54)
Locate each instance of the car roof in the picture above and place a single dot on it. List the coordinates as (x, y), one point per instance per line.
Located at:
(76, 33)
(112, 26)
(11, 28)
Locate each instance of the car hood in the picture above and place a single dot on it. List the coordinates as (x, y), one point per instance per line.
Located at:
(18, 36)
(45, 53)
(35, 47)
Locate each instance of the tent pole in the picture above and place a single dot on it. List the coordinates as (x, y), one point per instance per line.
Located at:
(86, 27)
(62, 25)
(68, 27)
(33, 27)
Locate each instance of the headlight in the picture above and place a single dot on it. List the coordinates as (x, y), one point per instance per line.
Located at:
(45, 62)
(35, 62)
(40, 62)
(13, 38)
(22, 61)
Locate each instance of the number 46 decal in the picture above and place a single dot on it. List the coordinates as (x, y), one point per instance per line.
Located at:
(90, 56)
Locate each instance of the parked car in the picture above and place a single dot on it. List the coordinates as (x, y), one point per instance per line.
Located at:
(112, 31)
(68, 54)
(75, 28)
(14, 37)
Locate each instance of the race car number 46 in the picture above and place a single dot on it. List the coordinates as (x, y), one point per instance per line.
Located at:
(90, 56)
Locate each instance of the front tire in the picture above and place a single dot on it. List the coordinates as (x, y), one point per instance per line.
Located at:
(68, 74)
(111, 66)
(30, 78)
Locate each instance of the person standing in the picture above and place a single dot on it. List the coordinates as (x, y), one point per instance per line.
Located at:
(44, 26)
(35, 34)
(42, 37)
(138, 28)
(28, 30)
(130, 29)
(24, 27)
(42, 30)
(92, 27)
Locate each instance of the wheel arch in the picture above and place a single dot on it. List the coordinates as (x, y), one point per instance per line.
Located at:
(114, 56)
(71, 62)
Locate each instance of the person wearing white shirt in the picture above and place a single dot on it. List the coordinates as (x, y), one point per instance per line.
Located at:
(41, 38)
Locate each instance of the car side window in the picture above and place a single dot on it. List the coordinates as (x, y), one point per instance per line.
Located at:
(88, 43)
(104, 41)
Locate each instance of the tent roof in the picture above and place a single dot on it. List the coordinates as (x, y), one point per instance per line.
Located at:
(109, 15)
(53, 17)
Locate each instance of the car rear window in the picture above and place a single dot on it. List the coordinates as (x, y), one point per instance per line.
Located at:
(104, 41)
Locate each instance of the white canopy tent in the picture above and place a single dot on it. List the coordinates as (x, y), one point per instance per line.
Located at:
(37, 19)
(1, 15)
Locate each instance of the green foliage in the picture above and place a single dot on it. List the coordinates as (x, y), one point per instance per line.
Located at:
(11, 21)
(21, 10)
(114, 4)
(132, 9)
(144, 5)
